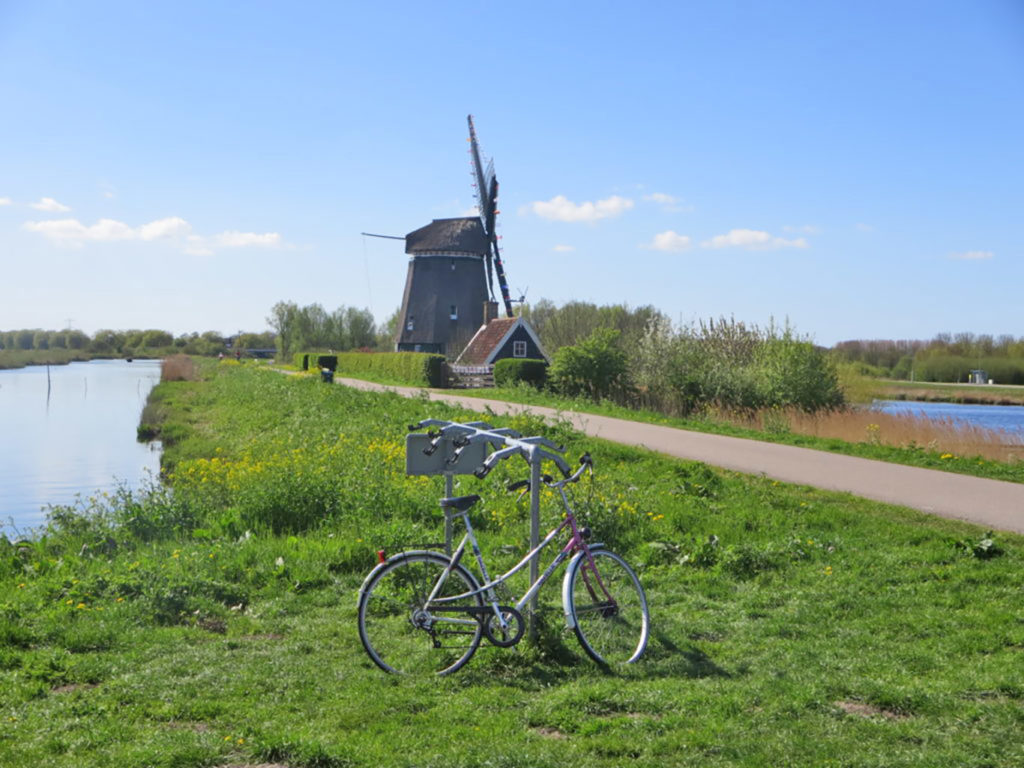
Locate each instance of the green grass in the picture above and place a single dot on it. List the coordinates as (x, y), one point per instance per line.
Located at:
(181, 630)
(917, 456)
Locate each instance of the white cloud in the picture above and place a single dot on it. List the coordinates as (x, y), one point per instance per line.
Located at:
(170, 228)
(233, 239)
(752, 239)
(669, 241)
(972, 255)
(668, 202)
(806, 229)
(5, 201)
(564, 248)
(560, 208)
(72, 232)
(50, 205)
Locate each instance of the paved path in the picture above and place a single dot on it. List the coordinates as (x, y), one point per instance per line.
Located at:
(991, 503)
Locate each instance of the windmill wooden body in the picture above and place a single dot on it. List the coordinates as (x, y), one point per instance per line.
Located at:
(449, 287)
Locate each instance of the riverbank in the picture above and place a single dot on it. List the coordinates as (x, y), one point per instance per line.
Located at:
(14, 359)
(215, 625)
(967, 394)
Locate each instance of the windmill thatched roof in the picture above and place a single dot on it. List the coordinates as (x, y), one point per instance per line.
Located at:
(448, 236)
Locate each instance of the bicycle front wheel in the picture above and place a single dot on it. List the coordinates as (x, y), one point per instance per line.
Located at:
(607, 608)
(401, 633)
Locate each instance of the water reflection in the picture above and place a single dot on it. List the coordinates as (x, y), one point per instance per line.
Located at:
(70, 430)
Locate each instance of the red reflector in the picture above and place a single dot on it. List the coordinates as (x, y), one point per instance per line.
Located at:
(380, 556)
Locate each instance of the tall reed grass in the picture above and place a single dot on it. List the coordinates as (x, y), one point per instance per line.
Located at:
(906, 430)
(178, 368)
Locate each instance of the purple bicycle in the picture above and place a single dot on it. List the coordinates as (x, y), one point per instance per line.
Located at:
(423, 612)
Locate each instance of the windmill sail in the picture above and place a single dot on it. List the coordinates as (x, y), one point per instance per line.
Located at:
(487, 199)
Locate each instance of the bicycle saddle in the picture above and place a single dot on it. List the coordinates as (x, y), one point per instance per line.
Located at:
(461, 503)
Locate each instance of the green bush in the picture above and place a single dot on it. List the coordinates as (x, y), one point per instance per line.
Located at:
(302, 361)
(597, 368)
(792, 372)
(511, 371)
(415, 368)
(729, 365)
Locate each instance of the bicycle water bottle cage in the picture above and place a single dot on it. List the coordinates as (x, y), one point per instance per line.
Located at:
(460, 503)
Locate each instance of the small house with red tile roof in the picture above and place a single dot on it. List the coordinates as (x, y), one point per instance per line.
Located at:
(501, 337)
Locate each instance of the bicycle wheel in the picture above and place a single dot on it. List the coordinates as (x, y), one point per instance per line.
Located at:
(607, 608)
(401, 636)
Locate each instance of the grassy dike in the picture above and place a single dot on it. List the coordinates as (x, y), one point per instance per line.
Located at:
(215, 625)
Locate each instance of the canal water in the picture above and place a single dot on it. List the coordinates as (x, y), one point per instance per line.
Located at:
(71, 434)
(1009, 418)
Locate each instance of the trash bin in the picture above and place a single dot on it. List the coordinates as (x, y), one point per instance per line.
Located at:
(326, 375)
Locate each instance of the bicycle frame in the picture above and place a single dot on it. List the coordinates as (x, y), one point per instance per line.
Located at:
(576, 543)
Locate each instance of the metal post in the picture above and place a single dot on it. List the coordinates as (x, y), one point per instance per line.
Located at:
(449, 489)
(535, 461)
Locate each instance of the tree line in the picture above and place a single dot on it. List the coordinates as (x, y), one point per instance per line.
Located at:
(945, 358)
(117, 342)
(313, 328)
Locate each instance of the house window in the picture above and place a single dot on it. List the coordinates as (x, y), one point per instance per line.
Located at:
(408, 325)
(455, 312)
(518, 349)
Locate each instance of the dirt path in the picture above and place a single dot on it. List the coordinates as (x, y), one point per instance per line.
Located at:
(990, 503)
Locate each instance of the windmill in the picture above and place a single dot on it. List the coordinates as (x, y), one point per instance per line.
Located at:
(487, 202)
(449, 290)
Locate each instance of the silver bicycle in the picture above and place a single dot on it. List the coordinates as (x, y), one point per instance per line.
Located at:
(423, 612)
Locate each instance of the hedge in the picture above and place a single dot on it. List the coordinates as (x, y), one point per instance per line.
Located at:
(511, 370)
(304, 361)
(415, 368)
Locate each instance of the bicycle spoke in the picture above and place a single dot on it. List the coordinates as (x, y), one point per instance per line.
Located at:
(401, 633)
(609, 608)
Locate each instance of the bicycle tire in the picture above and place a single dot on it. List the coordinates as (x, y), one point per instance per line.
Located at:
(611, 632)
(390, 612)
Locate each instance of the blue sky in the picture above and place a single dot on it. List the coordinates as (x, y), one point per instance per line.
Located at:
(853, 167)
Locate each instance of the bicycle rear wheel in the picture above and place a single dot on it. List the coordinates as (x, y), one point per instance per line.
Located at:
(400, 634)
(607, 608)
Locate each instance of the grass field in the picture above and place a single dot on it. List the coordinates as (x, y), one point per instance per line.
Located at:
(215, 625)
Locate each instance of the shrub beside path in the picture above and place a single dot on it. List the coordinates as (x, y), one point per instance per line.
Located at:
(990, 503)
